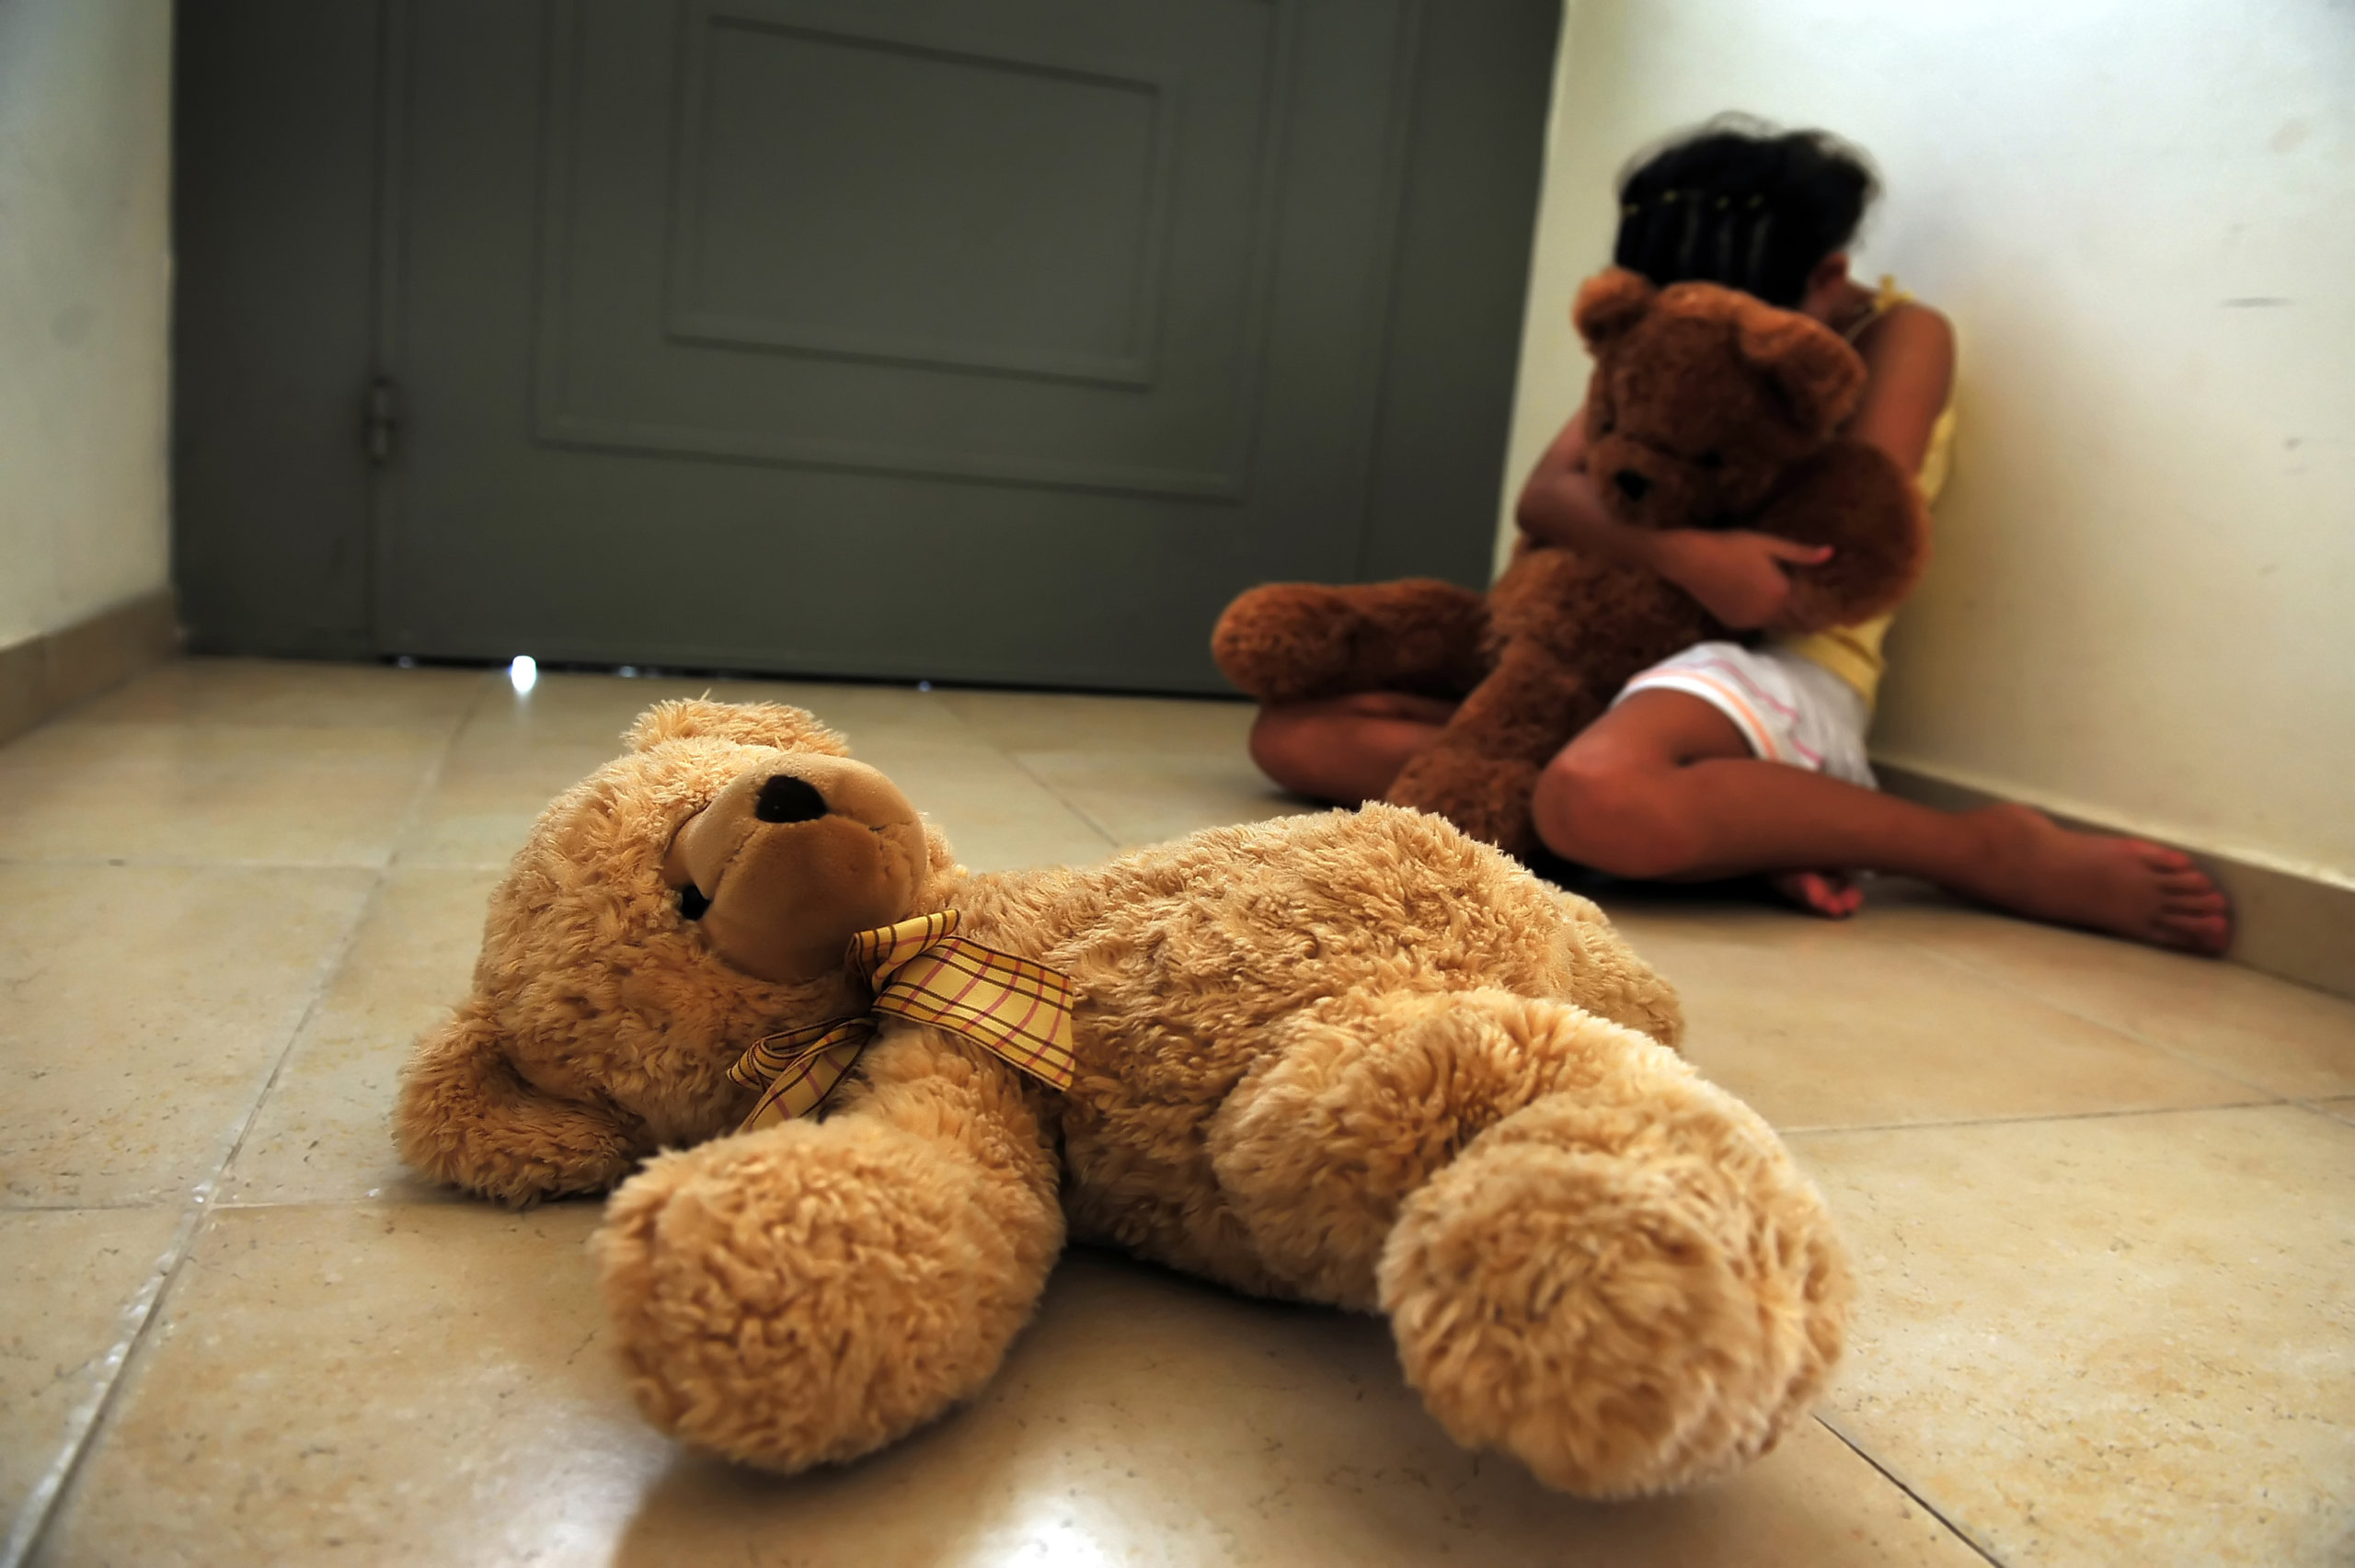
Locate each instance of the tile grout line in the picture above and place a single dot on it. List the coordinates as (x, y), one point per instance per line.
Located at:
(2121, 1030)
(2321, 1108)
(982, 738)
(40, 1504)
(2271, 1101)
(225, 863)
(1898, 1482)
(1111, 841)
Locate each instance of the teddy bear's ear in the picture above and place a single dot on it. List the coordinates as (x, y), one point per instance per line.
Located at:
(751, 723)
(1818, 376)
(1609, 302)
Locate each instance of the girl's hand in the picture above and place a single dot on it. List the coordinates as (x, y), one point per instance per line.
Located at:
(1738, 576)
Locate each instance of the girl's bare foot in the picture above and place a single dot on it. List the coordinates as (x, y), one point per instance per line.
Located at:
(1834, 895)
(2032, 865)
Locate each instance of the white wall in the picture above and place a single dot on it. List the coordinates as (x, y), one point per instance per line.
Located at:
(2141, 215)
(84, 176)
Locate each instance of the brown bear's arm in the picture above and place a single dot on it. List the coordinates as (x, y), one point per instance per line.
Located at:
(1854, 498)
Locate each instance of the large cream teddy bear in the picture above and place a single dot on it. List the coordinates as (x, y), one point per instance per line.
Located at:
(1355, 1059)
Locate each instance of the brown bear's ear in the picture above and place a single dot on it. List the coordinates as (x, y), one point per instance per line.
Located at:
(1818, 375)
(751, 723)
(1609, 302)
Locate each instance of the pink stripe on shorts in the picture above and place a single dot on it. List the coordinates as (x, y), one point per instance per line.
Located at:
(1789, 709)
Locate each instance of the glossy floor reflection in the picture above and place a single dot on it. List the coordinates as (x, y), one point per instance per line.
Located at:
(2102, 1202)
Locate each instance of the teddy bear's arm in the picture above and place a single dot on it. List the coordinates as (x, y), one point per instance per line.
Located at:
(467, 1117)
(808, 1292)
(1590, 1257)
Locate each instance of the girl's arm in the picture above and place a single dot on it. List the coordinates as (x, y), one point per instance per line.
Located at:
(1558, 506)
(1909, 366)
(1737, 575)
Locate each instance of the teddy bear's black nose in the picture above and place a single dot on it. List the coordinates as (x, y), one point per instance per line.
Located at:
(788, 799)
(1631, 483)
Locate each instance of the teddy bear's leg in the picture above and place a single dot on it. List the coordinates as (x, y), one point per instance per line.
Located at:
(1590, 1258)
(810, 1292)
(1481, 771)
(1290, 642)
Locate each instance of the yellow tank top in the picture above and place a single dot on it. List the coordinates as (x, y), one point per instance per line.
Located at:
(1852, 653)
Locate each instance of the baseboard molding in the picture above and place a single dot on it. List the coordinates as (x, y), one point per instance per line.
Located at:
(50, 671)
(2300, 928)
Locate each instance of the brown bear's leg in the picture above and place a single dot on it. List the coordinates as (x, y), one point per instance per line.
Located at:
(1482, 769)
(810, 1292)
(1590, 1258)
(1290, 642)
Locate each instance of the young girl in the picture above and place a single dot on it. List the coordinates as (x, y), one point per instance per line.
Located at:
(1729, 760)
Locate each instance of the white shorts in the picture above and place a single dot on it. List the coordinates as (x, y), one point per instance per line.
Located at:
(1788, 708)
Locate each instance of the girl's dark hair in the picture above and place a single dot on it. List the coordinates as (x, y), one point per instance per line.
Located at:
(1738, 202)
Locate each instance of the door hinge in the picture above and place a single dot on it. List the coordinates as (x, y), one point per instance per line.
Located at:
(383, 427)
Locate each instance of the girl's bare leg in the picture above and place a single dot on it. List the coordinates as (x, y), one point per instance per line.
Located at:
(1344, 749)
(1663, 786)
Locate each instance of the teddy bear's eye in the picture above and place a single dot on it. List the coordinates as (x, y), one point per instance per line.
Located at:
(1711, 459)
(692, 903)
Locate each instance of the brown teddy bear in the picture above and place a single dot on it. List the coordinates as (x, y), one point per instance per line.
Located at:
(1707, 408)
(1355, 1059)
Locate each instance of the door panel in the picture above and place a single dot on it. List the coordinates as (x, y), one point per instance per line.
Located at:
(842, 192)
(970, 339)
(896, 254)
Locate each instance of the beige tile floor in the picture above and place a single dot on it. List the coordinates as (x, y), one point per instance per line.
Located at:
(2103, 1202)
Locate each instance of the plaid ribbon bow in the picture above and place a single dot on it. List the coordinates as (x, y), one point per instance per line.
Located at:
(922, 971)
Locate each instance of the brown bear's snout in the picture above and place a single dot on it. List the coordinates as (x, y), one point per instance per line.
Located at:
(785, 799)
(1631, 483)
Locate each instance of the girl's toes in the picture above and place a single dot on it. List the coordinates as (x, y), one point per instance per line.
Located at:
(1827, 893)
(2200, 933)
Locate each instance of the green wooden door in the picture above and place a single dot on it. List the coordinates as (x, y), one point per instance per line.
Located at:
(997, 340)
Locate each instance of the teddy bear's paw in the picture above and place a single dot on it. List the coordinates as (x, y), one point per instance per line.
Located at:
(1629, 1298)
(1488, 797)
(466, 1116)
(808, 1293)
